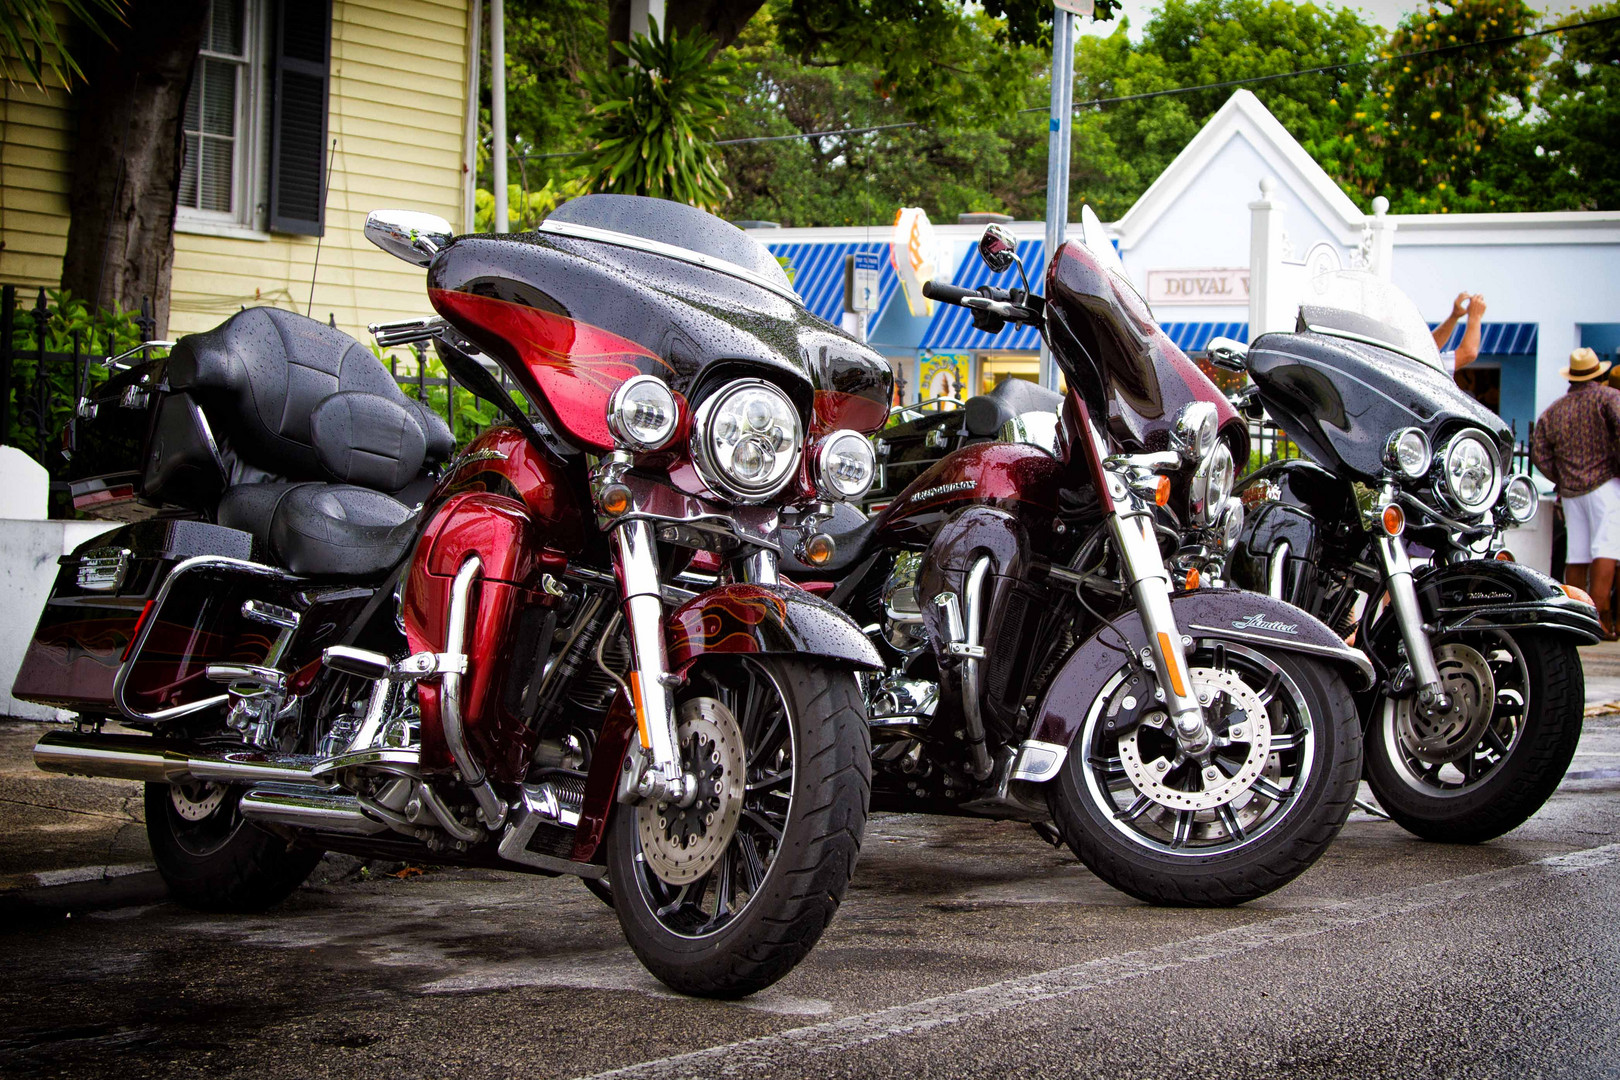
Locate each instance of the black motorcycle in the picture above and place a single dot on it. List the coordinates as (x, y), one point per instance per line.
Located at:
(1390, 529)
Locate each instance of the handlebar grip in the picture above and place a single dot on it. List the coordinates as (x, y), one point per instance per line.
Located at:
(945, 294)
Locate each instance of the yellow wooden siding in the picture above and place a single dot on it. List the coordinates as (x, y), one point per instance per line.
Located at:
(35, 133)
(397, 111)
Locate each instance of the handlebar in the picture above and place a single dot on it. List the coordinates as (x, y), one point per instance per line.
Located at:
(946, 294)
(997, 303)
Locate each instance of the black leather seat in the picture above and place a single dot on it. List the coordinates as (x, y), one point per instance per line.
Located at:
(323, 530)
(320, 441)
(985, 413)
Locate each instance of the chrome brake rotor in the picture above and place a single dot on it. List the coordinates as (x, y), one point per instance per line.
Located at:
(194, 802)
(1163, 781)
(683, 843)
(1452, 735)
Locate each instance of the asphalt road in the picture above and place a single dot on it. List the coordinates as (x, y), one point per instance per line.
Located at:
(963, 949)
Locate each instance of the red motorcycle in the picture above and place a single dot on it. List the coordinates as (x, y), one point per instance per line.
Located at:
(332, 636)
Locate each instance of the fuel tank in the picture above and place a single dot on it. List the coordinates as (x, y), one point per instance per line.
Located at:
(502, 462)
(1017, 478)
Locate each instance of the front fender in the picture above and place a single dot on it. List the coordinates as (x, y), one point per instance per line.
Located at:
(765, 620)
(1235, 615)
(1489, 594)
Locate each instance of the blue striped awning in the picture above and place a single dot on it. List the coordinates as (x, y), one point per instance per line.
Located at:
(1192, 337)
(952, 329)
(1500, 338)
(818, 275)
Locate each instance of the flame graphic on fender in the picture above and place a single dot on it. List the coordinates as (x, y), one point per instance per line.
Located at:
(575, 366)
(726, 623)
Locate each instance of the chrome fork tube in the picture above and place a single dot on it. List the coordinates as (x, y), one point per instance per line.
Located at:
(635, 561)
(1150, 586)
(1409, 618)
(759, 568)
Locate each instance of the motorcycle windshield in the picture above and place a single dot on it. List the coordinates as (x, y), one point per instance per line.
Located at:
(1356, 305)
(612, 286)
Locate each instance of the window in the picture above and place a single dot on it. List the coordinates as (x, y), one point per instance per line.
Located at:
(219, 181)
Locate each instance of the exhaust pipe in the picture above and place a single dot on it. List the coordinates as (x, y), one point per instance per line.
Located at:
(309, 808)
(161, 761)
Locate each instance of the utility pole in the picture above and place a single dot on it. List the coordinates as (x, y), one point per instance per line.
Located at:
(497, 110)
(1057, 143)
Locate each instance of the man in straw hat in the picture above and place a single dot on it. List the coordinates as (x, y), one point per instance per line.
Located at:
(1576, 445)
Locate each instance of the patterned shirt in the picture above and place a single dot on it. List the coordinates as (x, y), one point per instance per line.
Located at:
(1576, 443)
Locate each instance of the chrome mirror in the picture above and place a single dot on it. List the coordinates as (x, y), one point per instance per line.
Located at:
(998, 248)
(1228, 354)
(408, 234)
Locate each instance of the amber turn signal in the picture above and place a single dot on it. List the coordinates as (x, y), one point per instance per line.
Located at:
(818, 549)
(1192, 579)
(1393, 520)
(1577, 594)
(614, 500)
(1505, 556)
(1161, 491)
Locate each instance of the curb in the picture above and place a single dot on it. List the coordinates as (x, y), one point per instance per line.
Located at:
(88, 888)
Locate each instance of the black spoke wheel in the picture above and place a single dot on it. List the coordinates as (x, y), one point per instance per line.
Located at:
(214, 860)
(1223, 828)
(725, 896)
(1475, 774)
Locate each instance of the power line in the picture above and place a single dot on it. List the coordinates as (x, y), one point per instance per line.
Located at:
(1227, 84)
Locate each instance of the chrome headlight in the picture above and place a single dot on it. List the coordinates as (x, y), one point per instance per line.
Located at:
(1196, 427)
(1212, 483)
(642, 413)
(846, 465)
(1407, 452)
(746, 440)
(1470, 474)
(1520, 499)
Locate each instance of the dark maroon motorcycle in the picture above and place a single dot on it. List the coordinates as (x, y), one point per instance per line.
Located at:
(1052, 654)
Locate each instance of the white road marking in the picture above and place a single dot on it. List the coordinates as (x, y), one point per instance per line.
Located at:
(750, 1056)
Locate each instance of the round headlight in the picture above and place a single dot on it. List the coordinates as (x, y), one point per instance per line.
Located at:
(846, 465)
(642, 413)
(1521, 499)
(1407, 452)
(1470, 476)
(1212, 483)
(1196, 426)
(746, 440)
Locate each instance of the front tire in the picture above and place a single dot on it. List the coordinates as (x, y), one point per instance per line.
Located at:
(1133, 808)
(765, 897)
(214, 860)
(1499, 771)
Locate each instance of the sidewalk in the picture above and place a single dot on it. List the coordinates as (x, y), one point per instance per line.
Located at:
(1602, 665)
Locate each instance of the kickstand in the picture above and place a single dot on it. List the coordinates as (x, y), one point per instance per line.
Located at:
(1372, 808)
(1046, 831)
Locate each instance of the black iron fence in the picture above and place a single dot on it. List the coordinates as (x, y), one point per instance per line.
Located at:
(52, 354)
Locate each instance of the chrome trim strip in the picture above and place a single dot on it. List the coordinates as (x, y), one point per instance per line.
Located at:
(668, 251)
(1346, 653)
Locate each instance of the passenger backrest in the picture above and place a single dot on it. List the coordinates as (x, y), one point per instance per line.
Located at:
(261, 374)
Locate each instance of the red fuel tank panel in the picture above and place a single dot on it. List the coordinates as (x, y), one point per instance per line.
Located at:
(1016, 477)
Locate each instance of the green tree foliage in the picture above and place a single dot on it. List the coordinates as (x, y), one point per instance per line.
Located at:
(1567, 157)
(997, 163)
(32, 43)
(1427, 132)
(653, 121)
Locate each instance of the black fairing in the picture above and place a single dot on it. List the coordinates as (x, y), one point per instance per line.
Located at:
(706, 324)
(1340, 400)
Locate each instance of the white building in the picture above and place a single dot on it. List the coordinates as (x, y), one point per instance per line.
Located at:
(1214, 254)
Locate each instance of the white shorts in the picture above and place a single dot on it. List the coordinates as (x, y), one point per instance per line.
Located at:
(1592, 524)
